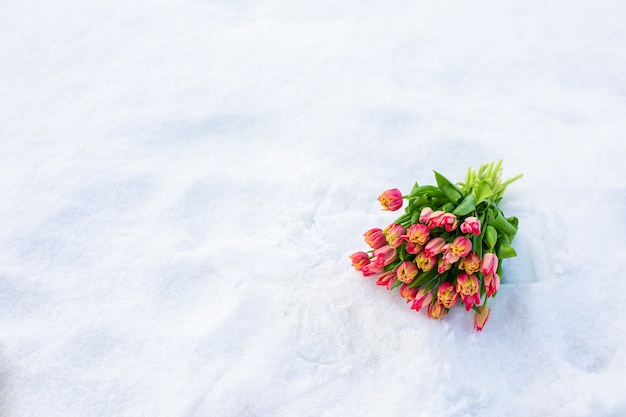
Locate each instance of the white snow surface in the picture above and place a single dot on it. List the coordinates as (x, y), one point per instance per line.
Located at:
(182, 183)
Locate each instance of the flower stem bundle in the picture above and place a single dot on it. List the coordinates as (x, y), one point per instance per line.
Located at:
(448, 245)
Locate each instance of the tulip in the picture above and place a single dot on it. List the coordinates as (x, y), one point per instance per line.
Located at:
(449, 221)
(490, 264)
(467, 286)
(470, 264)
(425, 215)
(384, 255)
(359, 260)
(387, 279)
(391, 200)
(413, 248)
(460, 247)
(372, 269)
(436, 310)
(443, 266)
(375, 238)
(471, 225)
(424, 262)
(492, 283)
(408, 293)
(395, 234)
(422, 298)
(434, 220)
(481, 317)
(447, 295)
(434, 247)
(418, 233)
(406, 272)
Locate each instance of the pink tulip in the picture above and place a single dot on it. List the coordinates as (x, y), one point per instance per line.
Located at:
(425, 215)
(418, 234)
(471, 225)
(375, 238)
(467, 286)
(424, 262)
(434, 220)
(391, 199)
(408, 293)
(492, 283)
(387, 279)
(436, 310)
(460, 247)
(481, 317)
(413, 248)
(422, 298)
(359, 260)
(447, 295)
(490, 264)
(443, 266)
(372, 269)
(395, 234)
(449, 221)
(384, 255)
(406, 271)
(434, 247)
(470, 264)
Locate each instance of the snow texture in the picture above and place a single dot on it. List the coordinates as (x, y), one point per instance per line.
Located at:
(182, 183)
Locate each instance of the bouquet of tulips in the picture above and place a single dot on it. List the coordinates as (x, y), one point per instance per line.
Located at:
(447, 245)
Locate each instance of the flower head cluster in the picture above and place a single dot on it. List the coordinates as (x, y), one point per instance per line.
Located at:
(447, 246)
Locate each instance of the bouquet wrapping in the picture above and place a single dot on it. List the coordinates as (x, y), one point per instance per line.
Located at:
(447, 247)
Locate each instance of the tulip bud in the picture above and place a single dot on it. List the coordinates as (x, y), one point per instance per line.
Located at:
(447, 295)
(375, 238)
(449, 221)
(359, 260)
(418, 233)
(467, 286)
(481, 317)
(406, 272)
(443, 266)
(384, 255)
(422, 298)
(490, 264)
(387, 279)
(391, 200)
(434, 220)
(436, 310)
(424, 262)
(470, 264)
(395, 234)
(434, 247)
(492, 283)
(471, 225)
(408, 293)
(425, 215)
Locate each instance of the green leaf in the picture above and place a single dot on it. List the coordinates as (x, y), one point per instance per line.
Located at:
(448, 207)
(425, 190)
(414, 190)
(396, 284)
(515, 222)
(451, 191)
(502, 225)
(466, 206)
(483, 192)
(403, 218)
(423, 277)
(491, 236)
(506, 251)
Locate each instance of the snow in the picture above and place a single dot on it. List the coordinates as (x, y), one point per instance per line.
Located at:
(183, 181)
